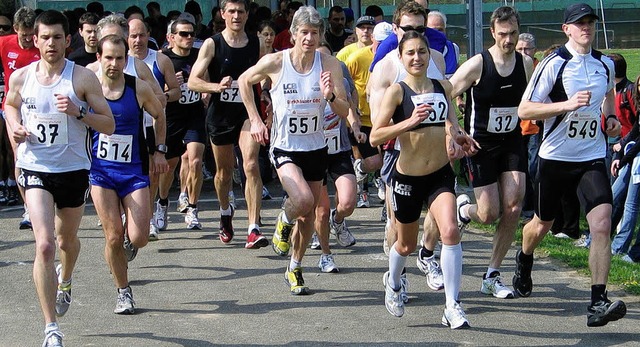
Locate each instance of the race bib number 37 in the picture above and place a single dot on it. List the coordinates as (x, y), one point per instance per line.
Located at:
(502, 119)
(48, 129)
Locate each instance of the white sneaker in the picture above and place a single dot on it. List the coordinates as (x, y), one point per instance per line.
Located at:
(360, 175)
(392, 299)
(191, 219)
(363, 200)
(493, 285)
(125, 303)
(326, 264)
(462, 200)
(63, 296)
(130, 251)
(433, 271)
(315, 243)
(455, 317)
(342, 233)
(382, 188)
(161, 216)
(53, 339)
(153, 232)
(404, 288)
(183, 203)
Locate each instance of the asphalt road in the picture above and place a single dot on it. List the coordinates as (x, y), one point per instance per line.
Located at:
(192, 290)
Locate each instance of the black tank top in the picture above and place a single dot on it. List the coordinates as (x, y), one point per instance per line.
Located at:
(230, 61)
(405, 109)
(190, 103)
(494, 91)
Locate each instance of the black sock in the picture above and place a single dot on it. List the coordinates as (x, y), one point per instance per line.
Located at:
(163, 202)
(425, 253)
(193, 205)
(598, 293)
(526, 258)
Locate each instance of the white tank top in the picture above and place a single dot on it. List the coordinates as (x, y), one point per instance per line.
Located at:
(298, 107)
(130, 69)
(58, 142)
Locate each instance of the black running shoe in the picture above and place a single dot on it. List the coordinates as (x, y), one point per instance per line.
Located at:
(605, 311)
(522, 283)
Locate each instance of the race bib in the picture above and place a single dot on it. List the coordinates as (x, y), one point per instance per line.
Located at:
(48, 129)
(583, 126)
(304, 121)
(502, 120)
(188, 96)
(115, 148)
(231, 94)
(332, 140)
(437, 102)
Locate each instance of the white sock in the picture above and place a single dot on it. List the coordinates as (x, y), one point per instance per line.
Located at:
(285, 218)
(226, 212)
(294, 264)
(251, 227)
(396, 264)
(464, 211)
(490, 270)
(53, 326)
(451, 263)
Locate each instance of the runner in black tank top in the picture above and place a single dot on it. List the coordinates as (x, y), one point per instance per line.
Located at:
(494, 81)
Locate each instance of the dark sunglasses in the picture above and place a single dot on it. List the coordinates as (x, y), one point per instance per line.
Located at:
(5, 27)
(186, 33)
(419, 29)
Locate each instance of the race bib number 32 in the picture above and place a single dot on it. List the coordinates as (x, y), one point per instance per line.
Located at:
(502, 119)
(48, 129)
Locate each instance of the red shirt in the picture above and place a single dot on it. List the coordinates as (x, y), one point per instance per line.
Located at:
(282, 41)
(14, 57)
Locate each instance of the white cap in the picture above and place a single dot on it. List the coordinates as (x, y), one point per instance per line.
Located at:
(381, 31)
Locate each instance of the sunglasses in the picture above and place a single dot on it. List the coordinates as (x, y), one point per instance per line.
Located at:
(419, 29)
(5, 27)
(186, 33)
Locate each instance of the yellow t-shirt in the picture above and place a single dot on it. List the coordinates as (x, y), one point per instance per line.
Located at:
(358, 64)
(346, 51)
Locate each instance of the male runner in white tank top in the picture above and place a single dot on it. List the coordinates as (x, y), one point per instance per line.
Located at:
(304, 81)
(47, 116)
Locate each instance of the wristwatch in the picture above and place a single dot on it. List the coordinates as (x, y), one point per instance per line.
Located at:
(83, 112)
(333, 97)
(162, 148)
